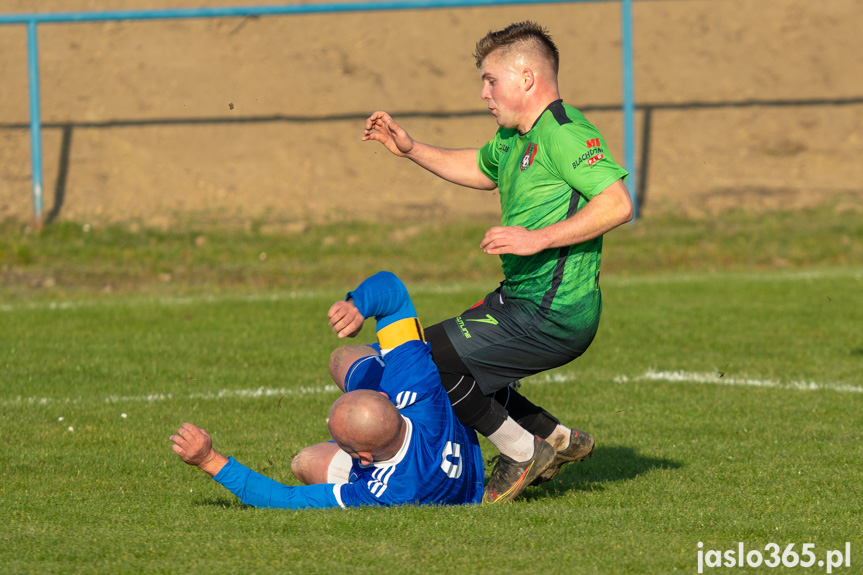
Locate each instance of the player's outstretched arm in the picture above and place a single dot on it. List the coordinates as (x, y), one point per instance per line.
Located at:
(195, 447)
(456, 166)
(381, 127)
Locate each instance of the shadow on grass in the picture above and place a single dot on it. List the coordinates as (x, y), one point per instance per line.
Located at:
(608, 465)
(223, 502)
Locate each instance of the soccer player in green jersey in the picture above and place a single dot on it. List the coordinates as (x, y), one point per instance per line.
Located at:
(560, 191)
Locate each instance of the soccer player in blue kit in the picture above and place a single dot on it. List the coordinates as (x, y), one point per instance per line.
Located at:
(396, 437)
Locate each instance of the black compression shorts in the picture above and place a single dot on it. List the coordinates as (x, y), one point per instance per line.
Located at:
(502, 341)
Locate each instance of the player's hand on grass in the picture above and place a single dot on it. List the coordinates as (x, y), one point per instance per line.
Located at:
(512, 240)
(345, 319)
(380, 126)
(195, 447)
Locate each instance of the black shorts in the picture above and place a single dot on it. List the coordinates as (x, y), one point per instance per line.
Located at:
(502, 341)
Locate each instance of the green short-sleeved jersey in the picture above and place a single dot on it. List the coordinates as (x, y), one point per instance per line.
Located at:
(544, 177)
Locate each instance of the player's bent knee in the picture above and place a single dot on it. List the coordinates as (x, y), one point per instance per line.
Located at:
(343, 357)
(339, 364)
(336, 370)
(311, 464)
(299, 466)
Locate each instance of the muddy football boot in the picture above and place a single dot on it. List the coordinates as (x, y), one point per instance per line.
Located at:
(509, 478)
(580, 447)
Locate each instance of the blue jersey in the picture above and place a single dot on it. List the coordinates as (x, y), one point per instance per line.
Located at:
(440, 461)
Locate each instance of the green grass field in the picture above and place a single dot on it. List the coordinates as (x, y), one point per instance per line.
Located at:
(724, 390)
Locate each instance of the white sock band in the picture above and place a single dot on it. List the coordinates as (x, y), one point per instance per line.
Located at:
(513, 440)
(339, 470)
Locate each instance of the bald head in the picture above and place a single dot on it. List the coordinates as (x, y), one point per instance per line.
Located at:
(364, 421)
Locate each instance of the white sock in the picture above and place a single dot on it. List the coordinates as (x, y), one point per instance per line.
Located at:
(559, 438)
(513, 440)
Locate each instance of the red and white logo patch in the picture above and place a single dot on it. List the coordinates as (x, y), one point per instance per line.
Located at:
(594, 159)
(593, 143)
(529, 155)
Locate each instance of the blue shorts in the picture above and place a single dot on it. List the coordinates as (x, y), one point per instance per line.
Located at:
(366, 372)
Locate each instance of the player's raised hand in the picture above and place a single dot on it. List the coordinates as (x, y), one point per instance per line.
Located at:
(512, 240)
(380, 126)
(345, 319)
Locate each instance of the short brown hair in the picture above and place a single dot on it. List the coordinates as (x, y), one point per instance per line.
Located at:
(529, 33)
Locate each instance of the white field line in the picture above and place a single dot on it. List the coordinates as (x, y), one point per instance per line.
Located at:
(138, 301)
(159, 397)
(768, 276)
(713, 378)
(453, 288)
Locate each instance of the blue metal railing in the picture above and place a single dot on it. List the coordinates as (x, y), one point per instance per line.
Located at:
(32, 21)
(629, 101)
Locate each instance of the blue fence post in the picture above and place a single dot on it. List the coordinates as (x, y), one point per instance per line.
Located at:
(629, 102)
(35, 120)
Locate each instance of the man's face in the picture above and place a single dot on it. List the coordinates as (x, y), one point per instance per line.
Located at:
(503, 88)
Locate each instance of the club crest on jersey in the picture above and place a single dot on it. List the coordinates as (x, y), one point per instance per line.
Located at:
(529, 155)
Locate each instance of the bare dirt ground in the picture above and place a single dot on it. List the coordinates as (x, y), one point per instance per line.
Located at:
(752, 105)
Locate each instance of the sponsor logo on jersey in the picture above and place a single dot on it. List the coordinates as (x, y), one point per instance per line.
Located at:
(528, 157)
(488, 319)
(591, 156)
(460, 323)
(593, 143)
(502, 148)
